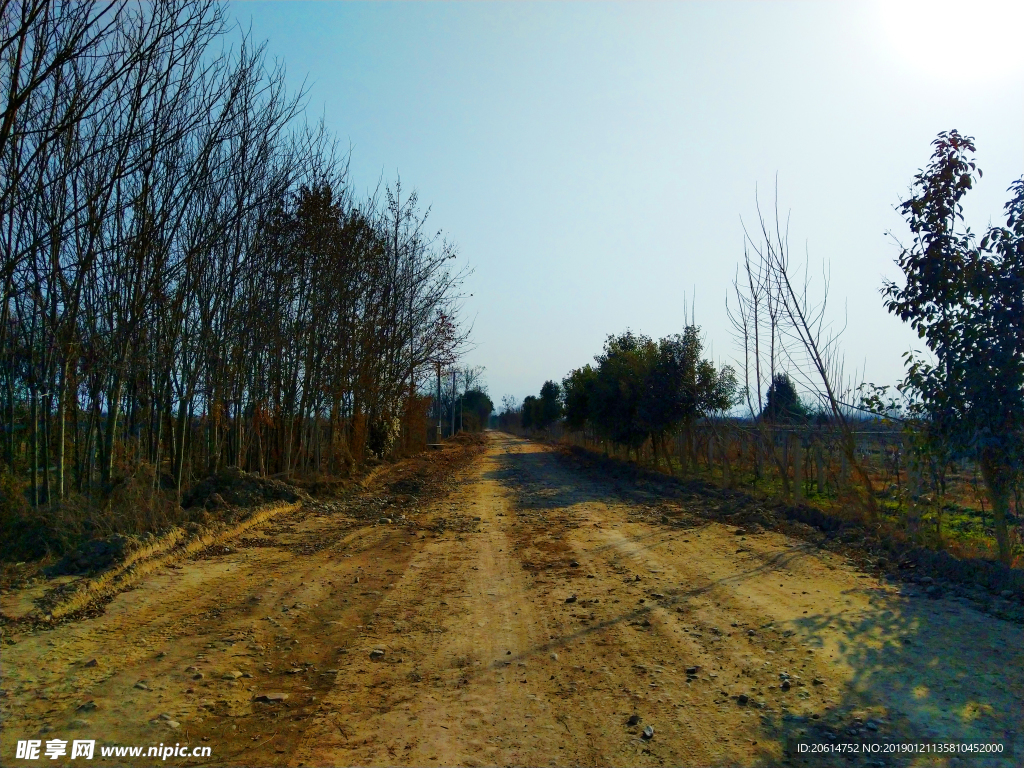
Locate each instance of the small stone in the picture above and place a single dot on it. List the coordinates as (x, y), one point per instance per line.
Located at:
(91, 663)
(817, 681)
(88, 706)
(247, 674)
(232, 675)
(785, 685)
(272, 698)
(637, 577)
(590, 576)
(742, 699)
(633, 720)
(751, 633)
(356, 580)
(508, 653)
(648, 732)
(198, 676)
(657, 595)
(142, 686)
(554, 657)
(192, 668)
(299, 671)
(871, 725)
(574, 564)
(172, 724)
(165, 716)
(477, 519)
(384, 520)
(692, 670)
(571, 599)
(377, 654)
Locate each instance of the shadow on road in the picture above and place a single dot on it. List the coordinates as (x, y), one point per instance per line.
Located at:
(923, 672)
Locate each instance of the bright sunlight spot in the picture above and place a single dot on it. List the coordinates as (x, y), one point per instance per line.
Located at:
(975, 42)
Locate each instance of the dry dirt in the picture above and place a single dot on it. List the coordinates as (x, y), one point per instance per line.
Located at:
(523, 619)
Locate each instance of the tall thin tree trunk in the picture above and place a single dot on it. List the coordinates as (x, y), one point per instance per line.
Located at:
(62, 410)
(113, 412)
(33, 444)
(997, 480)
(9, 437)
(47, 398)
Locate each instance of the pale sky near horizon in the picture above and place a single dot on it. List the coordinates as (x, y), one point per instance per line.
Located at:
(593, 160)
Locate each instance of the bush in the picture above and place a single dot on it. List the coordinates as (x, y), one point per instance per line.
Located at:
(23, 534)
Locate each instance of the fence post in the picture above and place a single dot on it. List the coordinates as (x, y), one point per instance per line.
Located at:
(726, 469)
(819, 462)
(798, 466)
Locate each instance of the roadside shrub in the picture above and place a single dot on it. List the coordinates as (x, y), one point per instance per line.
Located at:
(23, 534)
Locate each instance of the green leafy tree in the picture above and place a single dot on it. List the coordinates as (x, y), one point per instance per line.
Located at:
(681, 387)
(476, 408)
(531, 412)
(623, 371)
(550, 405)
(577, 392)
(641, 389)
(966, 300)
(782, 403)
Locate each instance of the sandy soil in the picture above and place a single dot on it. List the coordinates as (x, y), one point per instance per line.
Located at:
(523, 619)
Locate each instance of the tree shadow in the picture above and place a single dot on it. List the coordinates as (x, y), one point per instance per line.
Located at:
(922, 672)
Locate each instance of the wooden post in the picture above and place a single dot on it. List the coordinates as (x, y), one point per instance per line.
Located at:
(819, 462)
(798, 467)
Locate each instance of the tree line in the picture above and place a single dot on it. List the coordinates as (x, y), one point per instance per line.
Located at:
(638, 390)
(189, 281)
(963, 401)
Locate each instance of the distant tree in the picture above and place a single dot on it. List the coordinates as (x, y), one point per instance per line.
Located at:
(476, 407)
(681, 387)
(623, 371)
(782, 403)
(511, 414)
(641, 389)
(550, 405)
(531, 412)
(966, 300)
(577, 392)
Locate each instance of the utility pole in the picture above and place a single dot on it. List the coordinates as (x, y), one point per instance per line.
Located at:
(438, 401)
(454, 392)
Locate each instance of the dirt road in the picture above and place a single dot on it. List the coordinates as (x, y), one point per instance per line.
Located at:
(523, 619)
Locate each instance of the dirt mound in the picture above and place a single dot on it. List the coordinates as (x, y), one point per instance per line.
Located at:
(233, 487)
(98, 554)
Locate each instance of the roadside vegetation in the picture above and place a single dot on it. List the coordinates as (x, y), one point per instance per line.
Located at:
(936, 461)
(189, 281)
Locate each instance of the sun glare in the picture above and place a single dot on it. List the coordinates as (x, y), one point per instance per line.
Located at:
(955, 41)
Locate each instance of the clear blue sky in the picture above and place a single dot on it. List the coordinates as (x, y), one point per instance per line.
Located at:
(592, 161)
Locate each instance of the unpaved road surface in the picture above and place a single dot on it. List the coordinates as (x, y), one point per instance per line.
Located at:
(529, 636)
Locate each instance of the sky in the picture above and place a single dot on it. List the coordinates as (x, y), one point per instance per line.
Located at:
(595, 162)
